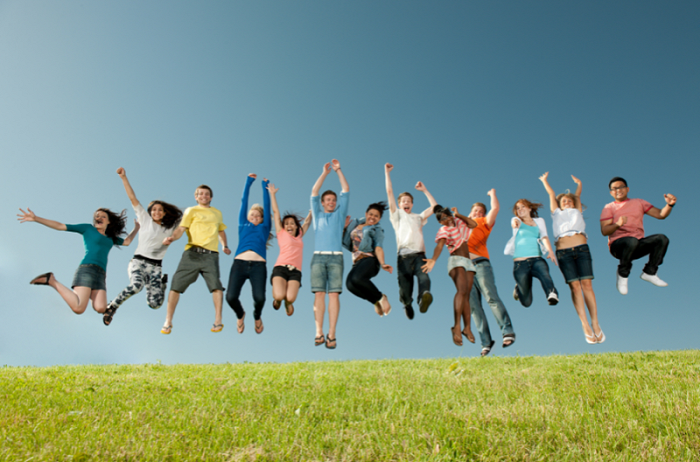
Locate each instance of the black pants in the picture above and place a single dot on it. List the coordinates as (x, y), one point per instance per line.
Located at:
(358, 281)
(627, 249)
(241, 270)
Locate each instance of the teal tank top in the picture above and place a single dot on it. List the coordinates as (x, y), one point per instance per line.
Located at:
(526, 244)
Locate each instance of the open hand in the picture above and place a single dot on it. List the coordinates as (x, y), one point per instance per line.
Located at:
(429, 264)
(271, 188)
(26, 216)
(388, 268)
(543, 177)
(576, 180)
(335, 163)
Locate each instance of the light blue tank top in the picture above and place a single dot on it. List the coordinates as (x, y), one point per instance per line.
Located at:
(526, 244)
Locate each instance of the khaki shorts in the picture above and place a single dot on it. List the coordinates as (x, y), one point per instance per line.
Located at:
(191, 266)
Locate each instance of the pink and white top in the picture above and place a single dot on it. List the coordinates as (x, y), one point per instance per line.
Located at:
(634, 210)
(454, 236)
(291, 249)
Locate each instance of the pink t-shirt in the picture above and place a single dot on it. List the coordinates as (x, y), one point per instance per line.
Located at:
(634, 210)
(291, 249)
(454, 235)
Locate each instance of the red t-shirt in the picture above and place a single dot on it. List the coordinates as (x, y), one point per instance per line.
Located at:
(634, 210)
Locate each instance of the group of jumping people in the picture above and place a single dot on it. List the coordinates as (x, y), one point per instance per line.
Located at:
(466, 238)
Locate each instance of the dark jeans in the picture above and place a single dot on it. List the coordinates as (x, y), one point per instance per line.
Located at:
(241, 270)
(524, 271)
(629, 248)
(408, 267)
(358, 281)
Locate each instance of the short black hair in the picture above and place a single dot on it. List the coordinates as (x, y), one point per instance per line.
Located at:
(617, 178)
(378, 206)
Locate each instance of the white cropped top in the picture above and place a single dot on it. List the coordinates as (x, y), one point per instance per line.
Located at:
(568, 222)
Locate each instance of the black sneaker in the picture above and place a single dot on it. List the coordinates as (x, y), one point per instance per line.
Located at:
(425, 300)
(164, 281)
(515, 293)
(409, 311)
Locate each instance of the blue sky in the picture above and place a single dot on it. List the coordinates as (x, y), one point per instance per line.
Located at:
(464, 96)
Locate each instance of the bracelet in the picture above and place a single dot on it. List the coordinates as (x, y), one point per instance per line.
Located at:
(671, 205)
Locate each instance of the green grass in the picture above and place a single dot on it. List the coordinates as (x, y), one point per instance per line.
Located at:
(638, 406)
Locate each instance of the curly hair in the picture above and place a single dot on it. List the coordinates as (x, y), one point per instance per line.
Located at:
(441, 212)
(172, 216)
(117, 223)
(534, 206)
(378, 206)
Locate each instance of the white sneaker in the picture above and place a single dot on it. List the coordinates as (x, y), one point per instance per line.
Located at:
(654, 279)
(552, 298)
(622, 284)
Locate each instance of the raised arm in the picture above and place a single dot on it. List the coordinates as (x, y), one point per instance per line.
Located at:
(391, 199)
(552, 197)
(132, 235)
(495, 207)
(344, 187)
(579, 187)
(30, 216)
(277, 219)
(306, 224)
(243, 214)
(429, 211)
(127, 187)
(317, 186)
(664, 212)
(266, 204)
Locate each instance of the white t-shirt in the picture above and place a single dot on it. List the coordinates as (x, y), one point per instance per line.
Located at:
(151, 235)
(409, 231)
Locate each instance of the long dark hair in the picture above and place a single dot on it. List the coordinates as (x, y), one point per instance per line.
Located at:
(297, 221)
(117, 224)
(172, 216)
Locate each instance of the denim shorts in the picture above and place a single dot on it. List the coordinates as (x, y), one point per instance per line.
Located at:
(91, 276)
(284, 272)
(575, 263)
(327, 273)
(456, 261)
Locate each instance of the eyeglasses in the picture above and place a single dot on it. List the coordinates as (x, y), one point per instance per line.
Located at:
(617, 188)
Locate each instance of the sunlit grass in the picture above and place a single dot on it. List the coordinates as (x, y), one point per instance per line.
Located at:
(640, 406)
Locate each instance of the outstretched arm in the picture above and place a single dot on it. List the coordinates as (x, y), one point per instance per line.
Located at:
(389, 188)
(430, 262)
(275, 209)
(579, 187)
(495, 207)
(132, 235)
(30, 216)
(306, 224)
(664, 212)
(429, 211)
(344, 187)
(317, 186)
(552, 197)
(127, 186)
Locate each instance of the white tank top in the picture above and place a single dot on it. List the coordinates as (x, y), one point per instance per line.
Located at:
(568, 222)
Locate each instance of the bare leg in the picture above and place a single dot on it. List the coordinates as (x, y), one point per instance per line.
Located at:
(279, 290)
(463, 281)
(589, 296)
(577, 298)
(319, 311)
(218, 296)
(333, 312)
(99, 300)
(77, 299)
(291, 296)
(173, 298)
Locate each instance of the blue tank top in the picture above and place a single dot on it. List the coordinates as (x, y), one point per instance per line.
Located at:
(526, 244)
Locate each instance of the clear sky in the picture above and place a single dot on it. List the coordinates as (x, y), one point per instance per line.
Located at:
(462, 95)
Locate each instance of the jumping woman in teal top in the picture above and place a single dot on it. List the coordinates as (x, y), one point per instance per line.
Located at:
(89, 279)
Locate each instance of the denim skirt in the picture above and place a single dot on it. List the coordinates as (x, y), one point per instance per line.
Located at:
(91, 276)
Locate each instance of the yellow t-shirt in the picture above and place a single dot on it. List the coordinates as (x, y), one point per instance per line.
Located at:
(203, 227)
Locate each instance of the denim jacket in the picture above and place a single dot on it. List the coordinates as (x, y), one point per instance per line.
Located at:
(372, 236)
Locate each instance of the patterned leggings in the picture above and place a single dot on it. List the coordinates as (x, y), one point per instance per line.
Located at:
(143, 274)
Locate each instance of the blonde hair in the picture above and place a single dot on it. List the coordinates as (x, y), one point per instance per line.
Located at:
(259, 208)
(573, 197)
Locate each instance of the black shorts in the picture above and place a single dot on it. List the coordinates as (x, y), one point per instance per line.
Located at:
(285, 273)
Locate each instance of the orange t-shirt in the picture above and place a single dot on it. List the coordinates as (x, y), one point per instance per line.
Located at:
(478, 238)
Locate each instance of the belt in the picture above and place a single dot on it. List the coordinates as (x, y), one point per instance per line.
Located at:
(327, 252)
(479, 260)
(198, 249)
(291, 267)
(148, 260)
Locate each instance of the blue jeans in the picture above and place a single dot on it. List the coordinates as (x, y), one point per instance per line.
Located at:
(241, 270)
(524, 271)
(408, 267)
(484, 284)
(327, 273)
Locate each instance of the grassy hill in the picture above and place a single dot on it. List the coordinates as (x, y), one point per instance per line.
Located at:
(606, 407)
